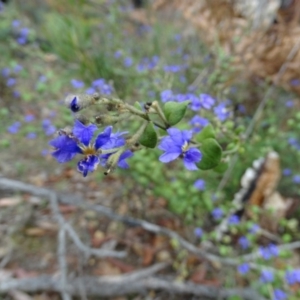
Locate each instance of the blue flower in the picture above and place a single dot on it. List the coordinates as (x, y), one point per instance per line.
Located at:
(207, 101)
(77, 84)
(266, 276)
(80, 142)
(102, 86)
(234, 220)
(269, 251)
(198, 232)
(221, 112)
(128, 61)
(243, 268)
(29, 118)
(200, 184)
(116, 140)
(5, 72)
(217, 213)
(167, 95)
(254, 229)
(198, 123)
(31, 135)
(296, 179)
(195, 102)
(11, 82)
(14, 128)
(177, 144)
(15, 23)
(289, 103)
(292, 276)
(244, 242)
(286, 172)
(279, 295)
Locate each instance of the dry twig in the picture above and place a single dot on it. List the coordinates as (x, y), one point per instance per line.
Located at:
(108, 286)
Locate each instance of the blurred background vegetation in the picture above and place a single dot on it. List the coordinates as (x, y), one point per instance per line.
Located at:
(52, 48)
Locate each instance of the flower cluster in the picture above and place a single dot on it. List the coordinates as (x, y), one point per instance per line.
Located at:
(80, 141)
(177, 144)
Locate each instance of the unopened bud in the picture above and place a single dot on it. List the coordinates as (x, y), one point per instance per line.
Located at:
(106, 119)
(83, 119)
(81, 101)
(112, 161)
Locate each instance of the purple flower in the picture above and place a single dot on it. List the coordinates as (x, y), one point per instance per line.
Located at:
(207, 101)
(198, 232)
(289, 103)
(243, 268)
(269, 251)
(16, 23)
(217, 213)
(292, 276)
(18, 68)
(244, 242)
(80, 142)
(48, 128)
(221, 112)
(11, 82)
(296, 179)
(195, 102)
(42, 78)
(177, 144)
(181, 97)
(295, 82)
(5, 72)
(279, 295)
(31, 136)
(14, 128)
(116, 140)
(77, 84)
(266, 276)
(234, 220)
(200, 184)
(29, 118)
(198, 123)
(16, 94)
(286, 172)
(128, 61)
(90, 91)
(118, 54)
(173, 68)
(167, 95)
(102, 86)
(254, 229)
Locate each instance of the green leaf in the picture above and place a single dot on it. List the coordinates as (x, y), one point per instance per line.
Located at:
(174, 111)
(206, 133)
(211, 154)
(221, 167)
(137, 105)
(149, 137)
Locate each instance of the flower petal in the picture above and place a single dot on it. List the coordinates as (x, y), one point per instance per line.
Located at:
(122, 161)
(66, 148)
(103, 137)
(84, 132)
(169, 156)
(88, 164)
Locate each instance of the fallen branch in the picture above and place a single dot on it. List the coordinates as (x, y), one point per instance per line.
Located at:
(12, 185)
(109, 286)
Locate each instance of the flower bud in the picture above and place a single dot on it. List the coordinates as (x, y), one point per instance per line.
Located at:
(79, 102)
(106, 119)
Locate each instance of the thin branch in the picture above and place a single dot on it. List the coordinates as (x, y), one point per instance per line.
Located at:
(85, 249)
(109, 286)
(61, 253)
(8, 184)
